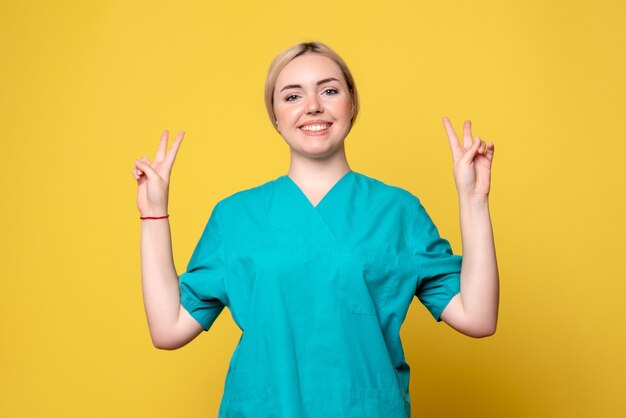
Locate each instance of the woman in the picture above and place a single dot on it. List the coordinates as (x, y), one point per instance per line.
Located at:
(318, 266)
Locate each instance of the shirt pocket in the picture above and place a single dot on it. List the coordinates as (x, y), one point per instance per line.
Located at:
(259, 402)
(365, 280)
(376, 403)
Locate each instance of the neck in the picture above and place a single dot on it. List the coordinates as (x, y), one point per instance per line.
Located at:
(318, 172)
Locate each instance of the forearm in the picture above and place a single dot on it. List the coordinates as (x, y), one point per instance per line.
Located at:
(159, 278)
(479, 272)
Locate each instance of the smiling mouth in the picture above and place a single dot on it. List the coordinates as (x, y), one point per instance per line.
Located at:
(318, 127)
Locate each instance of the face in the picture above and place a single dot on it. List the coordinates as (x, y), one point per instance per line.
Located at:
(313, 106)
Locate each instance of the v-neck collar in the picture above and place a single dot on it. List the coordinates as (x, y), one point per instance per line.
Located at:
(326, 196)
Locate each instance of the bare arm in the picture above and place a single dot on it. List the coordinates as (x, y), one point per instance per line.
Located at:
(474, 311)
(170, 324)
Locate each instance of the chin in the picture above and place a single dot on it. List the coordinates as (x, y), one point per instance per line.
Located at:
(312, 148)
(318, 153)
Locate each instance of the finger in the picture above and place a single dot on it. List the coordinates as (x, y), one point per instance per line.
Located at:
(467, 134)
(137, 173)
(490, 151)
(455, 147)
(471, 152)
(147, 169)
(170, 157)
(482, 148)
(160, 155)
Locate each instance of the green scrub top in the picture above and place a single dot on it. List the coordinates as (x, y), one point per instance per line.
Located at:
(319, 293)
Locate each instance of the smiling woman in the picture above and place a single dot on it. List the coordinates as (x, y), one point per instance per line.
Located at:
(318, 266)
(312, 106)
(295, 51)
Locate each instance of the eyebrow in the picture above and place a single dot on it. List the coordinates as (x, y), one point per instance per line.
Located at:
(298, 86)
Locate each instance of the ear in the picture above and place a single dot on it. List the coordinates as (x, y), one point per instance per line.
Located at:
(277, 127)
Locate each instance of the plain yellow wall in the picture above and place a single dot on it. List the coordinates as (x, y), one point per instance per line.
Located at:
(87, 86)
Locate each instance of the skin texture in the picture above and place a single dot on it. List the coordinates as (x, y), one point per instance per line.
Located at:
(311, 89)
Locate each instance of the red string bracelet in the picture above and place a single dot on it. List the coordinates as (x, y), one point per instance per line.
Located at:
(154, 217)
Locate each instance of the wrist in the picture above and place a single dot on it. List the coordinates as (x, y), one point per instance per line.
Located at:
(153, 213)
(474, 201)
(152, 218)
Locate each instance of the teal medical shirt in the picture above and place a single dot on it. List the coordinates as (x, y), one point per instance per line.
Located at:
(320, 293)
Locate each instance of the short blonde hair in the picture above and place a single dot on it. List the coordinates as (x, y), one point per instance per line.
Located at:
(295, 51)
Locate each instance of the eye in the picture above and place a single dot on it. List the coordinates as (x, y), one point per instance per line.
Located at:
(291, 98)
(331, 91)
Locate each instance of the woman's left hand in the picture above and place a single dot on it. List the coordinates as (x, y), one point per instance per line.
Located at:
(472, 162)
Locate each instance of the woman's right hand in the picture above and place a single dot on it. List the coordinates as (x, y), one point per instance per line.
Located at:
(153, 179)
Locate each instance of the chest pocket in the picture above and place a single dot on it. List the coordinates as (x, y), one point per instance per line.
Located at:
(366, 280)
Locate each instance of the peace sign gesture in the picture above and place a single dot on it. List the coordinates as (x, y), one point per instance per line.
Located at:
(153, 179)
(472, 161)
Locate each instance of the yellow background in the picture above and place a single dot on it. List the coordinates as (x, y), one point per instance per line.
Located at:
(87, 86)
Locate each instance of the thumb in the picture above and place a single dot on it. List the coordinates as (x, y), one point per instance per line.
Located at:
(147, 168)
(471, 152)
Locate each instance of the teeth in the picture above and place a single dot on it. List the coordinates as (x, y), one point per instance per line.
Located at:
(314, 128)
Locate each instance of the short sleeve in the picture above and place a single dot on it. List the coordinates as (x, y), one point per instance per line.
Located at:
(202, 285)
(438, 268)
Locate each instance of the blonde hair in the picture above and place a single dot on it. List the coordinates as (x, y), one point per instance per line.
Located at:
(295, 51)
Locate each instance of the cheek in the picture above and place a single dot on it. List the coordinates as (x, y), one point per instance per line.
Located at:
(345, 109)
(286, 114)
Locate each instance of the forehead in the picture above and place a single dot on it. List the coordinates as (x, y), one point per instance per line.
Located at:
(308, 69)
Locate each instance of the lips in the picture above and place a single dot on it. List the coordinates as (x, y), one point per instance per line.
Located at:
(315, 126)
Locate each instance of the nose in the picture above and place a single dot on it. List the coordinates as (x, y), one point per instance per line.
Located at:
(313, 104)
